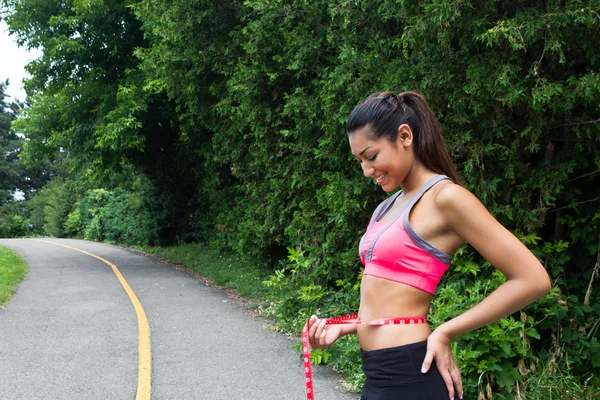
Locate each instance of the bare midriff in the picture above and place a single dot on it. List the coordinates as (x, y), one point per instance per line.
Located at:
(382, 298)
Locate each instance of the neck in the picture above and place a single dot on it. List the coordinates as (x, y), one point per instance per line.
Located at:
(416, 178)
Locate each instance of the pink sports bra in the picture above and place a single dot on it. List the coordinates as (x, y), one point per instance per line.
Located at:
(392, 250)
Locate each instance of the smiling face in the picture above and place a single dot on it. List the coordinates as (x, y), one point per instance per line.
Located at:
(387, 162)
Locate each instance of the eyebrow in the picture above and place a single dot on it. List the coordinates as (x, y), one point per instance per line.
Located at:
(366, 148)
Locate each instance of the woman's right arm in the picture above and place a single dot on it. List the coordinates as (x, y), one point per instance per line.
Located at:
(322, 335)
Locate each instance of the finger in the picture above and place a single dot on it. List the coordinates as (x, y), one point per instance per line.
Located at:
(318, 329)
(313, 329)
(315, 323)
(448, 381)
(311, 326)
(322, 331)
(309, 323)
(456, 378)
(427, 362)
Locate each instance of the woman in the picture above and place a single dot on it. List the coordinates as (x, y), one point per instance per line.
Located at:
(408, 245)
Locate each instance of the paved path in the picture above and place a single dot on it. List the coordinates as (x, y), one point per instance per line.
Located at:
(71, 332)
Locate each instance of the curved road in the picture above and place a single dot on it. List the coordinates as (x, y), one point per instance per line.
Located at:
(71, 332)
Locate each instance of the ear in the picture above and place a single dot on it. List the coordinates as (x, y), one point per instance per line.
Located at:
(405, 136)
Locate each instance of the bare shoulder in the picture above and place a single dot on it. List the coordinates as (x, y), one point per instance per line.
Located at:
(448, 196)
(460, 208)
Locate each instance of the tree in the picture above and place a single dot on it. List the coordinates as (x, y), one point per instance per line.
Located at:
(12, 170)
(89, 107)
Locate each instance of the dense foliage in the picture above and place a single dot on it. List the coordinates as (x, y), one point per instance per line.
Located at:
(228, 118)
(16, 182)
(11, 170)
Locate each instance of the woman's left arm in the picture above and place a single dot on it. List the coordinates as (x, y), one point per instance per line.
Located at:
(527, 280)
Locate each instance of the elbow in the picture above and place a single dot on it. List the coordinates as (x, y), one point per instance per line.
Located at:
(548, 286)
(538, 283)
(543, 284)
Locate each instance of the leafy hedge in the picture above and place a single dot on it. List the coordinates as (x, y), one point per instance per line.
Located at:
(516, 87)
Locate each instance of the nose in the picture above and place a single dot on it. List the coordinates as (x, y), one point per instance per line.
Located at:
(367, 169)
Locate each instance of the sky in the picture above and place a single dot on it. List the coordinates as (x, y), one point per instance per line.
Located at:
(12, 63)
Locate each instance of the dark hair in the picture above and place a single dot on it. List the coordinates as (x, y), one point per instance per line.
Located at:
(382, 113)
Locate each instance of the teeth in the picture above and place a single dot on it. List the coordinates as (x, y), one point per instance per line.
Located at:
(380, 178)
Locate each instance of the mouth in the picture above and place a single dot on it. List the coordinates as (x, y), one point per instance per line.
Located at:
(380, 178)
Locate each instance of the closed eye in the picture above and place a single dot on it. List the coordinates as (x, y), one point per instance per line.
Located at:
(371, 159)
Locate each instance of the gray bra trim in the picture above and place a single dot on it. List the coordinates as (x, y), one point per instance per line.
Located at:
(419, 241)
(385, 205)
(379, 211)
(424, 244)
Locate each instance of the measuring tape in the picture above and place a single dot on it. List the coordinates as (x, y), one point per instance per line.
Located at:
(346, 319)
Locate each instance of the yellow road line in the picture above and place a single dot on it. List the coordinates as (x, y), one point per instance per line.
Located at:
(144, 387)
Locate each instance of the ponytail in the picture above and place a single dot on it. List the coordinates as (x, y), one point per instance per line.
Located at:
(430, 146)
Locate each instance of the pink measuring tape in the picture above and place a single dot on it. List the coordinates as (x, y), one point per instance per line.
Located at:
(346, 319)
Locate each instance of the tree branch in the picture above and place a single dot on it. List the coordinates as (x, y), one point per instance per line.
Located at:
(583, 176)
(582, 123)
(569, 206)
(596, 270)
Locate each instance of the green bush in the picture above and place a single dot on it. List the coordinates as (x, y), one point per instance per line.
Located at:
(50, 207)
(116, 216)
(13, 220)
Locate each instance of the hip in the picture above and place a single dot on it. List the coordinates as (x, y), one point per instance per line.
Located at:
(395, 373)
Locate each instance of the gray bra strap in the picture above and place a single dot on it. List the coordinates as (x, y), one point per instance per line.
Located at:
(419, 241)
(422, 191)
(385, 205)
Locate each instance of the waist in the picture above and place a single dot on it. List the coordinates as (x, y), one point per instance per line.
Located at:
(380, 298)
(383, 337)
(402, 350)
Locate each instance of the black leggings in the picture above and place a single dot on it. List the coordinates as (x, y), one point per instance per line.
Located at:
(395, 374)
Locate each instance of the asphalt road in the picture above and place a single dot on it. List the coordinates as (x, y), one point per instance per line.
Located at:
(71, 332)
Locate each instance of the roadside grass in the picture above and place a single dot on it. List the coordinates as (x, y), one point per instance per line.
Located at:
(12, 271)
(226, 270)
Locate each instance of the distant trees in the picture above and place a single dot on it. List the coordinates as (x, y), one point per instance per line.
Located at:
(11, 168)
(16, 182)
(90, 115)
